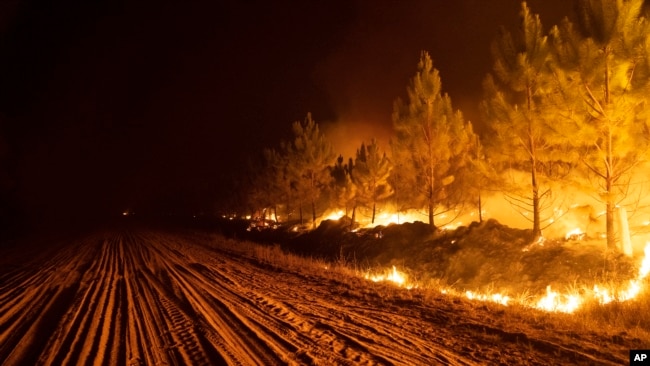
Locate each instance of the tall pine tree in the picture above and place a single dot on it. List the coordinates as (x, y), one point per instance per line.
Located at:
(371, 172)
(309, 157)
(518, 109)
(344, 189)
(431, 142)
(604, 75)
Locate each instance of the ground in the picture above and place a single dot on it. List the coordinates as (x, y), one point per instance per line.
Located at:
(150, 296)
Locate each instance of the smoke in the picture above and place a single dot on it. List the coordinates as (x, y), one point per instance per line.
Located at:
(347, 135)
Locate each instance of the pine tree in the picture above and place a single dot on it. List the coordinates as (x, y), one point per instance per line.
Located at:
(308, 156)
(518, 109)
(371, 174)
(258, 199)
(604, 77)
(431, 141)
(481, 176)
(278, 183)
(344, 189)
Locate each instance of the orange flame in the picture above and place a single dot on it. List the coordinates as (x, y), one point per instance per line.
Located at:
(395, 276)
(552, 301)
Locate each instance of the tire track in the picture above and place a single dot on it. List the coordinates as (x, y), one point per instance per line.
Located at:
(147, 298)
(35, 312)
(235, 338)
(304, 336)
(148, 339)
(315, 340)
(90, 325)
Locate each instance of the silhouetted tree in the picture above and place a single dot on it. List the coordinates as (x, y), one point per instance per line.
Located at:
(344, 189)
(308, 157)
(277, 182)
(371, 174)
(255, 182)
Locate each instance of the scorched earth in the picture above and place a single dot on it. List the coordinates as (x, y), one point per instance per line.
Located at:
(151, 297)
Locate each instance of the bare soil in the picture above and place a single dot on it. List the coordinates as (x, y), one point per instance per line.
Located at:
(145, 297)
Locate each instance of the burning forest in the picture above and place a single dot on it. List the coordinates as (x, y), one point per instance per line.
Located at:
(521, 237)
(564, 157)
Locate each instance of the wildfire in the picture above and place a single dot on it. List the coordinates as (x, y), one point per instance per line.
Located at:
(604, 296)
(334, 215)
(574, 234)
(552, 301)
(645, 264)
(393, 275)
(498, 298)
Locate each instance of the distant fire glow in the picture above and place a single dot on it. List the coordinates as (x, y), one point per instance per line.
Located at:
(363, 217)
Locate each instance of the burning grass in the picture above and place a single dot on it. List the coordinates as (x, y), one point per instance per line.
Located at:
(579, 305)
(488, 262)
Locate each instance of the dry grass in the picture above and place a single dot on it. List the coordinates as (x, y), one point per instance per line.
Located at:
(631, 318)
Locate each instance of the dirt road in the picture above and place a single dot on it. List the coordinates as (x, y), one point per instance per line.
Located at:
(148, 298)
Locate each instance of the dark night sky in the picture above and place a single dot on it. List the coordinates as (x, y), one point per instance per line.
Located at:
(106, 106)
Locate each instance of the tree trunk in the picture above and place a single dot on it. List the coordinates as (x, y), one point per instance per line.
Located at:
(537, 230)
(374, 209)
(354, 214)
(609, 217)
(431, 204)
(609, 164)
(313, 214)
(532, 150)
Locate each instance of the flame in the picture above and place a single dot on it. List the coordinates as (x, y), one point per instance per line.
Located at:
(393, 275)
(576, 233)
(387, 218)
(334, 215)
(498, 298)
(552, 301)
(364, 220)
(645, 264)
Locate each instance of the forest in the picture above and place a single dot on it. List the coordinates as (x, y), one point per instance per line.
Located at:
(567, 130)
